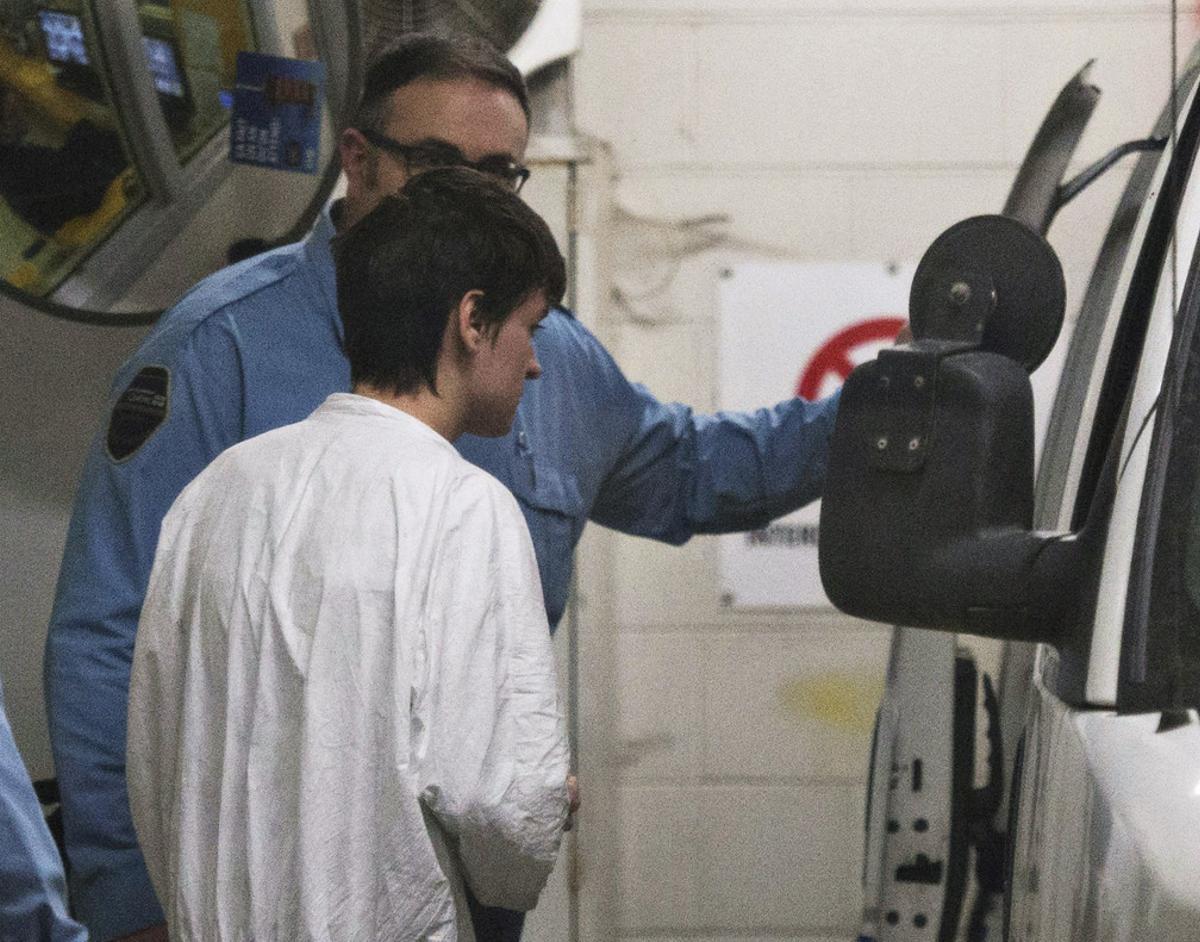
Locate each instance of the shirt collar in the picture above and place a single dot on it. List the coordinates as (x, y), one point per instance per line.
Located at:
(344, 403)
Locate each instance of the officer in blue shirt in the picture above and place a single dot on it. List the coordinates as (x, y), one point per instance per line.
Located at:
(32, 889)
(258, 345)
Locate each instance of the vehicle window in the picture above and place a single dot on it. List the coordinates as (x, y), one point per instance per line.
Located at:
(66, 179)
(1190, 570)
(1161, 658)
(1165, 640)
(191, 48)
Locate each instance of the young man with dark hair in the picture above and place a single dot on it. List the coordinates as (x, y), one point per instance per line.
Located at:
(259, 345)
(472, 239)
(343, 698)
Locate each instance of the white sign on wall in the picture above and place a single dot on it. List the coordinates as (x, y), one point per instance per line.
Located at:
(791, 328)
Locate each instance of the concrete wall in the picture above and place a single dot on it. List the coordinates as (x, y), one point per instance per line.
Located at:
(849, 131)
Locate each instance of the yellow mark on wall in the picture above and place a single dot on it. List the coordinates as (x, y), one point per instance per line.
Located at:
(843, 701)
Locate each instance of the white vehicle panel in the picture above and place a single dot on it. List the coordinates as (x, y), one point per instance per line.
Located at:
(1098, 855)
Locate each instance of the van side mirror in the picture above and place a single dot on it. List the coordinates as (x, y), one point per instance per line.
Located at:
(928, 502)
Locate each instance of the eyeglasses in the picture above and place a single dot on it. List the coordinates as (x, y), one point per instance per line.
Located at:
(430, 154)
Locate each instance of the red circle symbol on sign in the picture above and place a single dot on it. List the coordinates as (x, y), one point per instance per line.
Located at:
(834, 356)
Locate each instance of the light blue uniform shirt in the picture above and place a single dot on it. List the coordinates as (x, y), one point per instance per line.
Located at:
(32, 889)
(257, 346)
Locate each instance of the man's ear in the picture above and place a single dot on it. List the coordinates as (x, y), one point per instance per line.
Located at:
(468, 319)
(355, 154)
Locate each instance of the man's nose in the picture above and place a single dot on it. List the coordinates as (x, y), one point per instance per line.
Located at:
(535, 369)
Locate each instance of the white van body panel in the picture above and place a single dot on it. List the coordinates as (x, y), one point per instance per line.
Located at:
(1108, 826)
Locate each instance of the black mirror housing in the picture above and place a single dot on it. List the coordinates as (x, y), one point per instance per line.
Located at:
(928, 500)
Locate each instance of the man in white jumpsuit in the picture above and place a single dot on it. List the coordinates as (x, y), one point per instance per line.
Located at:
(343, 700)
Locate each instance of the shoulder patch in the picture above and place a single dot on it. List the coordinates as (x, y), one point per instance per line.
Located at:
(139, 412)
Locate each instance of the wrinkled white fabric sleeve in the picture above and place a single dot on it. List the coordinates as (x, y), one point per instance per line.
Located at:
(155, 704)
(488, 734)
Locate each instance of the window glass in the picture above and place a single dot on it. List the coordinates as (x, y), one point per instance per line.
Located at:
(1190, 568)
(1160, 658)
(66, 179)
(191, 47)
(1175, 587)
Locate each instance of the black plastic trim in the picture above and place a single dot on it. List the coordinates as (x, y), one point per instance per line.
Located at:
(966, 680)
(1010, 835)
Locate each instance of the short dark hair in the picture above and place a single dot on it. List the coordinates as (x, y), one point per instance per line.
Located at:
(407, 264)
(438, 56)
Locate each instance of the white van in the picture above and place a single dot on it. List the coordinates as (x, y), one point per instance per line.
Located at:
(1089, 827)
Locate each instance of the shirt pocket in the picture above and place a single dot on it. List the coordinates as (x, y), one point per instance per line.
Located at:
(555, 510)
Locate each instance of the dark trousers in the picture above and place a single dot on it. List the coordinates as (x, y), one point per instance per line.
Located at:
(493, 924)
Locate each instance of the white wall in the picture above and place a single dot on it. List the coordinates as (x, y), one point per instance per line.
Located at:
(835, 131)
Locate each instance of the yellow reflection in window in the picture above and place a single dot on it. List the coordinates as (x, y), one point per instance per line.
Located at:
(65, 177)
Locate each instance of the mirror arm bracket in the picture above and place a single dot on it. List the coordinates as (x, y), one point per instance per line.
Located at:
(1089, 175)
(1047, 576)
(1036, 574)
